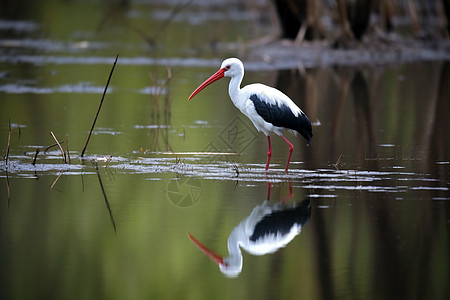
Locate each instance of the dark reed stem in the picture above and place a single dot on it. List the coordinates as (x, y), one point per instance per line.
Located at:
(51, 146)
(35, 157)
(100, 106)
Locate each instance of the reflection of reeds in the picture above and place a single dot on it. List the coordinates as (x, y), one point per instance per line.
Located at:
(336, 165)
(35, 157)
(7, 187)
(111, 217)
(156, 110)
(235, 167)
(100, 106)
(9, 143)
(67, 149)
(56, 180)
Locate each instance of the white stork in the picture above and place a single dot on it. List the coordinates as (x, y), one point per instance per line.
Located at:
(269, 109)
(265, 230)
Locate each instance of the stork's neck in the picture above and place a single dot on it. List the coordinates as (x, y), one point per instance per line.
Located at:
(234, 241)
(235, 87)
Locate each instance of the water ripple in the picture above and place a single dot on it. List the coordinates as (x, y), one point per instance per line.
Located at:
(206, 167)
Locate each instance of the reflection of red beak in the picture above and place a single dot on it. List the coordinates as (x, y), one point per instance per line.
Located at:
(216, 76)
(215, 257)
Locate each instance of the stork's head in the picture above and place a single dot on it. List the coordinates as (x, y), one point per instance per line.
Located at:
(230, 67)
(230, 266)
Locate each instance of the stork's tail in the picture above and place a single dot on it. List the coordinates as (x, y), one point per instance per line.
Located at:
(304, 127)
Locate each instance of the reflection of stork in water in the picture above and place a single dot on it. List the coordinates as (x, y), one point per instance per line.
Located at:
(268, 228)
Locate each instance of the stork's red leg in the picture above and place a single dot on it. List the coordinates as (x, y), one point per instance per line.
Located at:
(291, 148)
(269, 188)
(269, 154)
(290, 192)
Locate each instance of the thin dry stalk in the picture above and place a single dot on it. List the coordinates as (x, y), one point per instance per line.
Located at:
(336, 165)
(60, 148)
(100, 106)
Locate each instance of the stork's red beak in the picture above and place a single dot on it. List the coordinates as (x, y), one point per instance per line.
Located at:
(215, 257)
(216, 76)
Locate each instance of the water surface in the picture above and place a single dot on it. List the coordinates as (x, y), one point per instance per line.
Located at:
(115, 224)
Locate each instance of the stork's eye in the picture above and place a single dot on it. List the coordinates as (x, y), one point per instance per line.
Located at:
(228, 67)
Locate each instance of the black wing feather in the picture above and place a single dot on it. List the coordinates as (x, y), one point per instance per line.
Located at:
(282, 116)
(281, 222)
